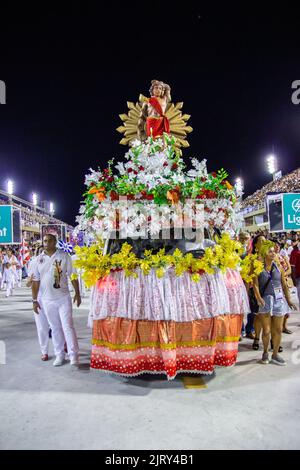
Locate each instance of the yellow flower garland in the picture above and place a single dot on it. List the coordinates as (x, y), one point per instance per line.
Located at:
(224, 255)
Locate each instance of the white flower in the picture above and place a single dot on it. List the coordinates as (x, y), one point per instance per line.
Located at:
(93, 177)
(120, 167)
(178, 178)
(136, 143)
(200, 169)
(81, 209)
(192, 173)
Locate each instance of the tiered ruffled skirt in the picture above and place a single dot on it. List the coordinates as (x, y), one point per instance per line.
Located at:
(168, 325)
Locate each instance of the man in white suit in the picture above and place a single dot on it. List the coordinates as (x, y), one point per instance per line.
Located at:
(50, 274)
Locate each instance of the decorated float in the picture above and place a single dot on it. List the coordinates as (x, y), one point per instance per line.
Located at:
(163, 262)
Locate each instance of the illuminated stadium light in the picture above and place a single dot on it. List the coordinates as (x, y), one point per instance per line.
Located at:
(10, 187)
(34, 199)
(272, 164)
(51, 208)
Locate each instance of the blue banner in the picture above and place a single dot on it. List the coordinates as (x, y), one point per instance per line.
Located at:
(6, 231)
(291, 211)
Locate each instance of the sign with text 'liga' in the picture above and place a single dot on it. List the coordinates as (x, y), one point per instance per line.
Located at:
(6, 225)
(291, 211)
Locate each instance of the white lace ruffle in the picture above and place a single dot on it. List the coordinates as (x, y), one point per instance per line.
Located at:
(170, 298)
(143, 372)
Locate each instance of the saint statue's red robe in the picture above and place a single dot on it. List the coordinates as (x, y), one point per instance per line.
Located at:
(156, 126)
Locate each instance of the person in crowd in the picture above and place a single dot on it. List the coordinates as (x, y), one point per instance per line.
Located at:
(295, 265)
(13, 260)
(19, 268)
(50, 274)
(288, 247)
(283, 251)
(294, 253)
(271, 293)
(41, 321)
(287, 270)
(257, 242)
(2, 252)
(248, 330)
(9, 272)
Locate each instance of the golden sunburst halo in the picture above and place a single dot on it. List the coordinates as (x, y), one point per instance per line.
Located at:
(178, 122)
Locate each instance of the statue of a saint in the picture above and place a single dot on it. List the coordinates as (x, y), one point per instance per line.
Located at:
(153, 120)
(155, 116)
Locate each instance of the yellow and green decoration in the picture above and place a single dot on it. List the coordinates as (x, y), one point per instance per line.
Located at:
(225, 254)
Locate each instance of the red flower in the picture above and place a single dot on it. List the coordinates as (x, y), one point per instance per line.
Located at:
(174, 166)
(130, 197)
(130, 170)
(147, 196)
(110, 179)
(141, 168)
(203, 179)
(214, 174)
(210, 194)
(206, 194)
(135, 172)
(165, 164)
(114, 196)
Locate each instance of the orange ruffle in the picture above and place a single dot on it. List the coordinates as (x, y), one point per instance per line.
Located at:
(121, 333)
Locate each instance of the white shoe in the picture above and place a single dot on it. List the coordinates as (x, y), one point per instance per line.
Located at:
(74, 361)
(58, 361)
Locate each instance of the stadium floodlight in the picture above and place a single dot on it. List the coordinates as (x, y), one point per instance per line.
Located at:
(10, 187)
(239, 186)
(272, 164)
(51, 208)
(34, 199)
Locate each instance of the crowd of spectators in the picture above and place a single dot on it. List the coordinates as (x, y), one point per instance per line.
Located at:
(287, 183)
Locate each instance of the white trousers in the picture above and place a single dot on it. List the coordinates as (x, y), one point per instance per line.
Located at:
(9, 288)
(15, 278)
(59, 315)
(42, 326)
(19, 275)
(8, 280)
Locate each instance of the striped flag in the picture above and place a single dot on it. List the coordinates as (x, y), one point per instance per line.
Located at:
(24, 253)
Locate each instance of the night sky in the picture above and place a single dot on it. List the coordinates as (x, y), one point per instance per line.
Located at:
(70, 70)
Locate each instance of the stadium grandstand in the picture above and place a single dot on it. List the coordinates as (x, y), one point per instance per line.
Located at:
(254, 208)
(32, 216)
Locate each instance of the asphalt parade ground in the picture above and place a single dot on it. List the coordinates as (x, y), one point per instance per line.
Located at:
(247, 406)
